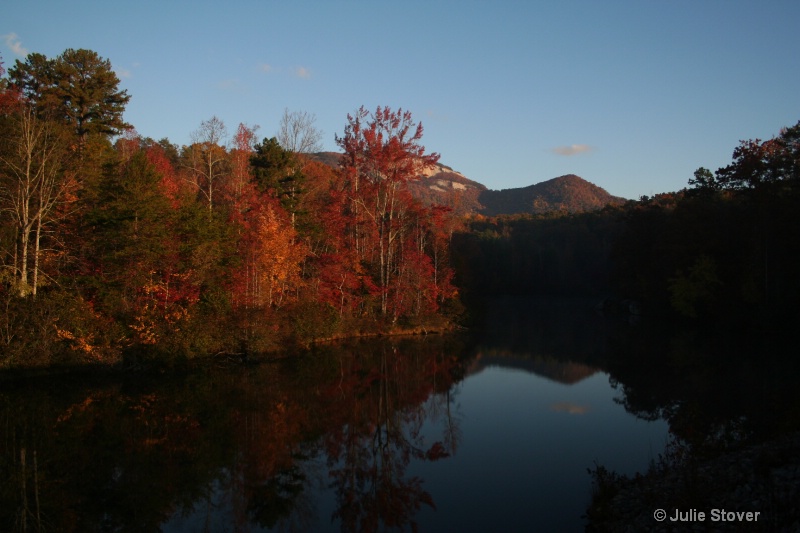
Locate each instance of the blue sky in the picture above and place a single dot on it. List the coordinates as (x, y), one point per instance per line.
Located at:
(632, 96)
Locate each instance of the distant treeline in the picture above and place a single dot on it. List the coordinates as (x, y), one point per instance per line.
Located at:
(725, 250)
(541, 255)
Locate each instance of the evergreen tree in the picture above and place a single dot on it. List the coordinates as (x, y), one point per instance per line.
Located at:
(78, 87)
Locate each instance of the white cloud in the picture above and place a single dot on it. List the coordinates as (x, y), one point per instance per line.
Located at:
(302, 72)
(123, 72)
(14, 44)
(265, 67)
(572, 149)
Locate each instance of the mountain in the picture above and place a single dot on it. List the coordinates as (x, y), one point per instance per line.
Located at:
(329, 158)
(439, 184)
(445, 186)
(569, 193)
(566, 372)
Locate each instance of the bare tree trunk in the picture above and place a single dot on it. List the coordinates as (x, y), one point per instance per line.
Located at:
(36, 248)
(35, 187)
(36, 491)
(24, 489)
(23, 267)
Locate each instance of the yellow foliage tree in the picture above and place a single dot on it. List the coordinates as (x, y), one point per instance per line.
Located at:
(278, 256)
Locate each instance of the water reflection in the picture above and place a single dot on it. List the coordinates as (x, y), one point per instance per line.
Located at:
(435, 434)
(231, 449)
(571, 408)
(559, 370)
(380, 410)
(715, 392)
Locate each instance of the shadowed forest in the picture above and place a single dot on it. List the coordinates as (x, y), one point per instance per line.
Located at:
(127, 251)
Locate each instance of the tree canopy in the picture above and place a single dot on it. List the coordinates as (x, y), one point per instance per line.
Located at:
(78, 87)
(758, 163)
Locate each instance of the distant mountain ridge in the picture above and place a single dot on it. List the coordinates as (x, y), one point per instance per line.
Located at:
(443, 185)
(569, 193)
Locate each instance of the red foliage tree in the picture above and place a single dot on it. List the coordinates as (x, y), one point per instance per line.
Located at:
(10, 96)
(382, 153)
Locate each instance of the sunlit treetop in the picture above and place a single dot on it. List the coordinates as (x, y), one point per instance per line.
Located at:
(78, 87)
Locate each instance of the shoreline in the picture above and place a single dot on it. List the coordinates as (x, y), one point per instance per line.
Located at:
(759, 478)
(294, 347)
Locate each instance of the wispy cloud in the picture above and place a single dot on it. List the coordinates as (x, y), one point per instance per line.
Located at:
(13, 43)
(231, 84)
(123, 72)
(572, 149)
(302, 72)
(297, 72)
(435, 115)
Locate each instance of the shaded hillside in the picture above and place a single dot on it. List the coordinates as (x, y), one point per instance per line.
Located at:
(569, 193)
(329, 158)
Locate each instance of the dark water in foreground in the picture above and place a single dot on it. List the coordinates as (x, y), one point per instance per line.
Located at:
(436, 433)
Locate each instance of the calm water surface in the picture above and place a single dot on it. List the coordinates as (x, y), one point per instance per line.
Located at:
(526, 444)
(520, 447)
(439, 434)
(518, 432)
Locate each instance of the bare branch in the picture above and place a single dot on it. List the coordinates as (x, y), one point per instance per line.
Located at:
(297, 133)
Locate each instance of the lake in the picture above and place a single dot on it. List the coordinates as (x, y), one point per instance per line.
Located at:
(489, 432)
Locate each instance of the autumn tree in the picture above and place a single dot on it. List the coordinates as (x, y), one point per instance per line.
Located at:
(165, 158)
(267, 249)
(277, 255)
(9, 96)
(382, 152)
(766, 174)
(33, 184)
(146, 277)
(244, 142)
(759, 163)
(206, 158)
(278, 161)
(78, 88)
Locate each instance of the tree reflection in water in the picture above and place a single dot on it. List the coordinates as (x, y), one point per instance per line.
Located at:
(715, 392)
(369, 452)
(234, 448)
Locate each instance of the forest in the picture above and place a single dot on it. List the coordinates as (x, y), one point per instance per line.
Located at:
(119, 250)
(122, 250)
(720, 254)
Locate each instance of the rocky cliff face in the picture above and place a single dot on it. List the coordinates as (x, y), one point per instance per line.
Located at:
(445, 186)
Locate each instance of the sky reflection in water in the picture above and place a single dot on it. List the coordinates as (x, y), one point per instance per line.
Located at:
(522, 445)
(526, 444)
